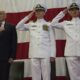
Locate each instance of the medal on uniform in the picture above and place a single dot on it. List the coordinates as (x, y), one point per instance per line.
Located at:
(45, 27)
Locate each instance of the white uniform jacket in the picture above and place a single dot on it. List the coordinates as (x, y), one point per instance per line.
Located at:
(72, 30)
(42, 40)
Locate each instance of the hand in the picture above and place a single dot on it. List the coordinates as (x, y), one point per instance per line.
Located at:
(33, 10)
(10, 60)
(65, 11)
(31, 14)
(2, 29)
(52, 59)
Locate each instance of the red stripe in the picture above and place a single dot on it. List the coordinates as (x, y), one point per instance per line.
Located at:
(22, 51)
(60, 45)
(57, 78)
(23, 48)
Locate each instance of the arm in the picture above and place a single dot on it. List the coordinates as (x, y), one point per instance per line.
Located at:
(52, 41)
(55, 22)
(13, 44)
(21, 25)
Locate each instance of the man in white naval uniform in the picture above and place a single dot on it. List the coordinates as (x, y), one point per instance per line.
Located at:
(42, 47)
(72, 48)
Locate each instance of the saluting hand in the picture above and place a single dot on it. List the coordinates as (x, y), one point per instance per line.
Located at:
(65, 11)
(31, 14)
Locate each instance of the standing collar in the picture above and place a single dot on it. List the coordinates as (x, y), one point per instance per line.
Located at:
(40, 20)
(75, 19)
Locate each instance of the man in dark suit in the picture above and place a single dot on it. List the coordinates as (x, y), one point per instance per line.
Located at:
(8, 44)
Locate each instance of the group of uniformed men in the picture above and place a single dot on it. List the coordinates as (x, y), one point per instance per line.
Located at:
(42, 48)
(42, 41)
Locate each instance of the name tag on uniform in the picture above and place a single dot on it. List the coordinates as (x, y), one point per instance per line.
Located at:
(34, 26)
(45, 27)
(69, 24)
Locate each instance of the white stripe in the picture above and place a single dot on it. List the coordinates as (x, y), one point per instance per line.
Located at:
(60, 67)
(23, 36)
(59, 34)
(27, 68)
(27, 5)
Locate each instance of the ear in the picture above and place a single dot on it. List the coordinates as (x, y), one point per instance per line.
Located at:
(5, 15)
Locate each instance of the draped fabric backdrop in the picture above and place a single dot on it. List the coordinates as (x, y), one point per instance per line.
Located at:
(17, 9)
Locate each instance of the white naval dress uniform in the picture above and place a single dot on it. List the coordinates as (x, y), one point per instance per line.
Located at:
(42, 47)
(72, 48)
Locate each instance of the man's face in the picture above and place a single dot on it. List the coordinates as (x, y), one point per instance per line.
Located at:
(2, 16)
(39, 14)
(74, 12)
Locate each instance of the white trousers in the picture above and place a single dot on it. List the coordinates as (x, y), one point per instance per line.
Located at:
(40, 69)
(73, 64)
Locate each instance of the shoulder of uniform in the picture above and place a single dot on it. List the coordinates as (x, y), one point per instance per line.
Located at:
(67, 21)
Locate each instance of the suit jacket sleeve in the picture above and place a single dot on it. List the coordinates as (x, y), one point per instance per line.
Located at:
(14, 42)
